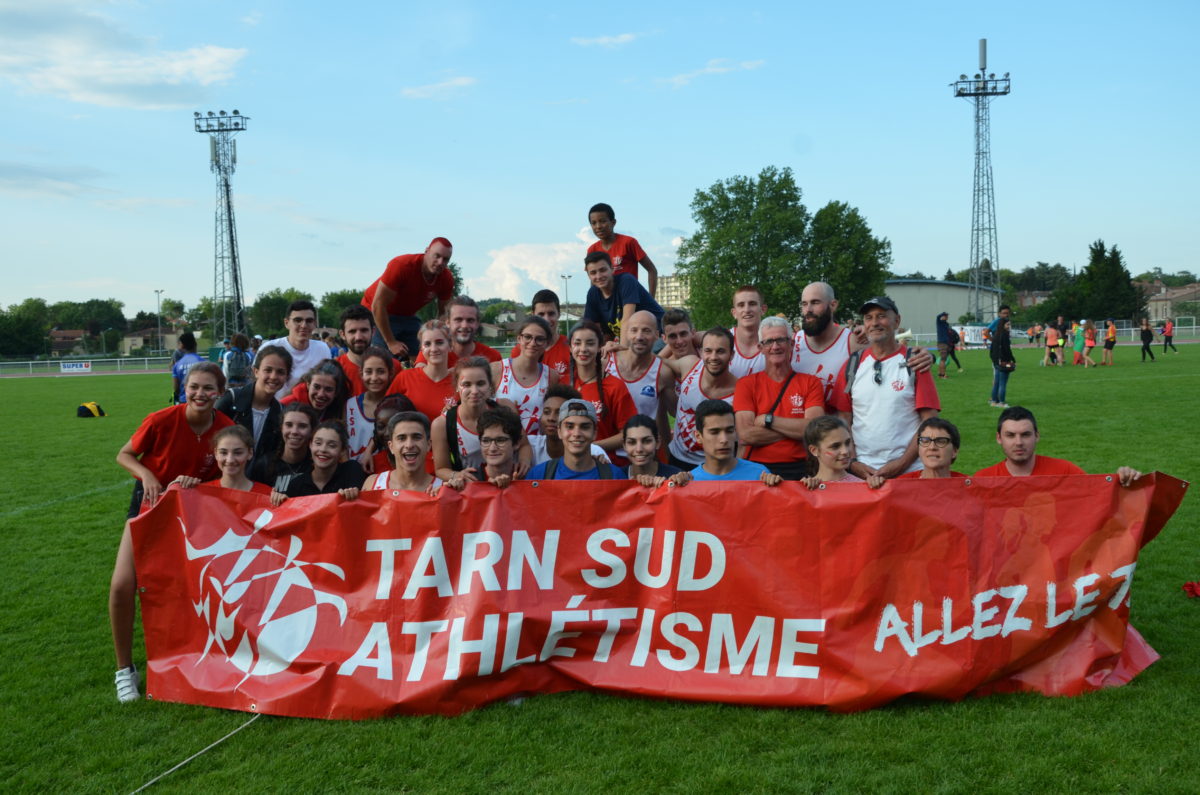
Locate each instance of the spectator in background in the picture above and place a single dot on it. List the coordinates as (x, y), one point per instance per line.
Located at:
(1003, 363)
(1147, 339)
(237, 363)
(947, 341)
(1168, 334)
(1051, 356)
(1089, 342)
(1110, 342)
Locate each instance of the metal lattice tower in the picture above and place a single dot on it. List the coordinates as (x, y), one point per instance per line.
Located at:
(229, 313)
(985, 252)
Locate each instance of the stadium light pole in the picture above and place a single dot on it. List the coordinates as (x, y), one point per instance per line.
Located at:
(566, 283)
(158, 318)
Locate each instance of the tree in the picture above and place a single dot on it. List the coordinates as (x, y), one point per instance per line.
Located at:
(200, 316)
(843, 252)
(1104, 289)
(498, 307)
(750, 231)
(23, 328)
(267, 314)
(334, 303)
(93, 315)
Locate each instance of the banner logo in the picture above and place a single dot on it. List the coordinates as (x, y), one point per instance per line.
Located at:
(242, 573)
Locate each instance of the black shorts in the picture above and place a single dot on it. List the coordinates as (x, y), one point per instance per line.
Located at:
(1110, 344)
(135, 502)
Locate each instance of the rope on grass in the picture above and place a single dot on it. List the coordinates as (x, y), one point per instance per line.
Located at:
(161, 776)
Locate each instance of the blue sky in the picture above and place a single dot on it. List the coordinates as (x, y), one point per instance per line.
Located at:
(377, 126)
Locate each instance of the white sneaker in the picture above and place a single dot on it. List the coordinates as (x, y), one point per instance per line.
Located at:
(127, 685)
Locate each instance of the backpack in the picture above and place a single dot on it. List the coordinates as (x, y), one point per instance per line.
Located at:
(90, 409)
(237, 368)
(605, 468)
(954, 337)
(852, 367)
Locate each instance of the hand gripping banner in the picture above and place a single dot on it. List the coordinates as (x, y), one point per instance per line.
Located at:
(842, 597)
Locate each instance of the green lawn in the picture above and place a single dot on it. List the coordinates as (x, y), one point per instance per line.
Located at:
(62, 515)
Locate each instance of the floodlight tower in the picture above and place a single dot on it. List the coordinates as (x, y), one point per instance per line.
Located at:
(228, 310)
(985, 253)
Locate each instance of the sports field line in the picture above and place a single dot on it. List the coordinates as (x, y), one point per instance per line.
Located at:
(124, 484)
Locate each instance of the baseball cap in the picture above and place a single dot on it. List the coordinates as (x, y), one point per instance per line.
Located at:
(881, 301)
(577, 408)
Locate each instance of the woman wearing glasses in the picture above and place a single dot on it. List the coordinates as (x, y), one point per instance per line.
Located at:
(524, 379)
(937, 447)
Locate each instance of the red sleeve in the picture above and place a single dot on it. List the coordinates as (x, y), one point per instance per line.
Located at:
(299, 394)
(926, 392)
(144, 436)
(398, 270)
(994, 471)
(839, 398)
(622, 404)
(813, 391)
(636, 248)
(487, 352)
(744, 394)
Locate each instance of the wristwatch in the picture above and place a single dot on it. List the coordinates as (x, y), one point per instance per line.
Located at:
(768, 421)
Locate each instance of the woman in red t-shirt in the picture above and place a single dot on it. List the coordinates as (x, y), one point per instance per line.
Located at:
(170, 443)
(614, 406)
(430, 387)
(326, 388)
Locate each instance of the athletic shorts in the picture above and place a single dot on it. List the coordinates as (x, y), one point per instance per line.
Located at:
(1109, 344)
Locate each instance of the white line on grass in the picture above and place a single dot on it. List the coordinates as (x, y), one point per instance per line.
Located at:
(48, 503)
(198, 753)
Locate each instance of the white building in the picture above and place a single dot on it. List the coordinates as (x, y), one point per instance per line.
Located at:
(920, 301)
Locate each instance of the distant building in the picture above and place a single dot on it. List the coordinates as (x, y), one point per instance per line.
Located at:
(147, 339)
(672, 290)
(920, 301)
(1161, 300)
(67, 342)
(1028, 298)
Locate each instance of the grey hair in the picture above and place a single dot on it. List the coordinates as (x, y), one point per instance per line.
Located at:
(770, 322)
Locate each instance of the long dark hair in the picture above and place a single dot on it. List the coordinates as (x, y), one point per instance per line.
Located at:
(587, 325)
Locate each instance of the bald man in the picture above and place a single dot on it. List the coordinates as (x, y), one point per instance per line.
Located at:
(642, 372)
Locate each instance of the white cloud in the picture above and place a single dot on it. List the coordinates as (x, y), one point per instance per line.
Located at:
(67, 50)
(717, 66)
(252, 19)
(518, 271)
(606, 41)
(438, 90)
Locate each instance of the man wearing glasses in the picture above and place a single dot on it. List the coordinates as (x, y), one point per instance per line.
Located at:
(499, 436)
(880, 397)
(300, 322)
(773, 407)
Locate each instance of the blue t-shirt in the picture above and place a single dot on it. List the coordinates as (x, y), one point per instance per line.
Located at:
(564, 472)
(743, 470)
(180, 370)
(626, 290)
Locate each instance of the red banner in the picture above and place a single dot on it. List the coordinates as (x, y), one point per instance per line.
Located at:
(843, 597)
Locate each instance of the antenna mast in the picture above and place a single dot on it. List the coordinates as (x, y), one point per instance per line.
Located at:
(229, 313)
(985, 253)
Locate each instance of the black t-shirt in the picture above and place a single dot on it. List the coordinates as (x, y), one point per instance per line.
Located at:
(277, 473)
(348, 475)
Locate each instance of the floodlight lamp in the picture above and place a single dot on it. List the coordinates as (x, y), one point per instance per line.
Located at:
(235, 113)
(1006, 75)
(977, 76)
(211, 114)
(962, 77)
(992, 76)
(222, 113)
(196, 114)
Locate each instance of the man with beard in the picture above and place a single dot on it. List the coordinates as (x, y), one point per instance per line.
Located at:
(357, 329)
(643, 373)
(410, 282)
(464, 325)
(822, 346)
(881, 399)
(702, 377)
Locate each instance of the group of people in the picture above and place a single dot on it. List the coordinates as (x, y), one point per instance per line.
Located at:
(632, 392)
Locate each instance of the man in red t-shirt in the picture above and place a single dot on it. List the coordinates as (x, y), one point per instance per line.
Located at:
(1017, 435)
(464, 325)
(410, 282)
(774, 405)
(623, 250)
(557, 356)
(357, 329)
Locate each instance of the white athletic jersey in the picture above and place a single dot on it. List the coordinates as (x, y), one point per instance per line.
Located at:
(528, 399)
(824, 365)
(685, 444)
(360, 429)
(302, 361)
(537, 444)
(381, 482)
(469, 451)
(644, 390)
(742, 366)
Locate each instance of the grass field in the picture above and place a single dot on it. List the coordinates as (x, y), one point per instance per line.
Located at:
(61, 518)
